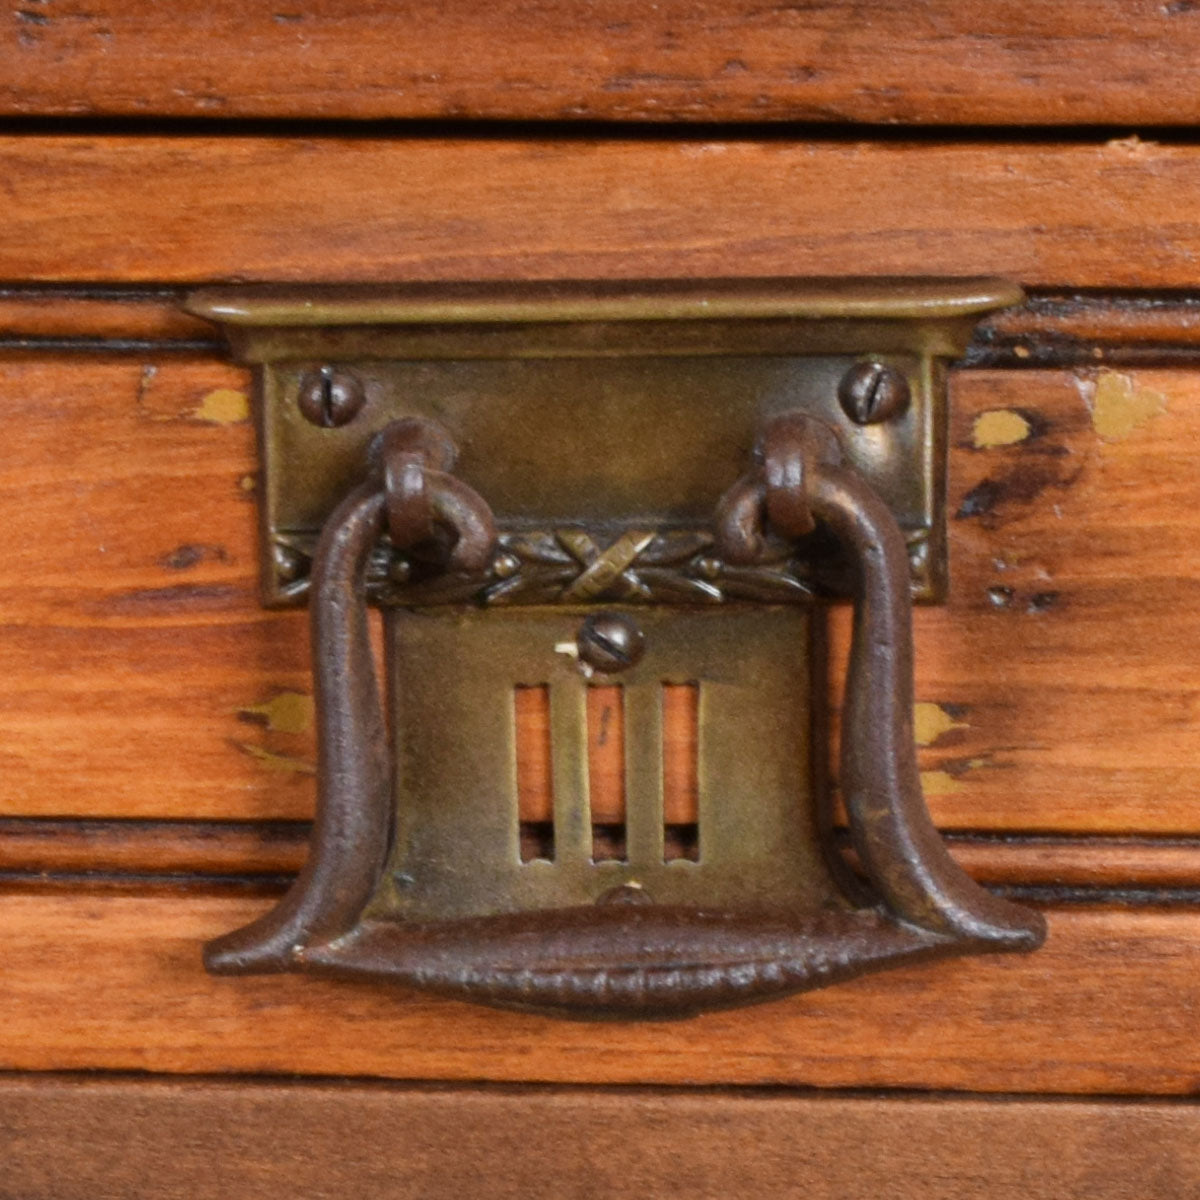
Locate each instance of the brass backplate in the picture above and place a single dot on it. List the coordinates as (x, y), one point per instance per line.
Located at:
(601, 421)
(642, 549)
(456, 852)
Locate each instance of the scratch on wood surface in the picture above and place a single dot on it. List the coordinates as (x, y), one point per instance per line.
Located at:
(191, 554)
(277, 762)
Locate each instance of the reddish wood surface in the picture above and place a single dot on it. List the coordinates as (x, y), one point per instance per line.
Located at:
(63, 1139)
(100, 981)
(105, 315)
(199, 209)
(946, 61)
(144, 680)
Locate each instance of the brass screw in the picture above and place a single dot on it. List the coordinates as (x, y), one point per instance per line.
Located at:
(609, 642)
(871, 392)
(331, 396)
(289, 564)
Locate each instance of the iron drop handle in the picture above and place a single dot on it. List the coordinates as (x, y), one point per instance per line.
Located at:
(642, 959)
(801, 483)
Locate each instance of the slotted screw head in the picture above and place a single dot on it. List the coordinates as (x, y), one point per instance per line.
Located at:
(871, 392)
(331, 396)
(610, 642)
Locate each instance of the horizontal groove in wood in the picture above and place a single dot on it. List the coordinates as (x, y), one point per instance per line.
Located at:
(143, 680)
(275, 851)
(178, 210)
(227, 848)
(98, 315)
(123, 979)
(66, 1138)
(943, 62)
(1051, 329)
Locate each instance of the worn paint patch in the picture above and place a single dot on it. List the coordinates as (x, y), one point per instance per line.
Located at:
(224, 406)
(1119, 406)
(939, 783)
(999, 427)
(277, 762)
(932, 721)
(288, 712)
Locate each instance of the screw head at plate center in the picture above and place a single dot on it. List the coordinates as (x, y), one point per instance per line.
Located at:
(610, 641)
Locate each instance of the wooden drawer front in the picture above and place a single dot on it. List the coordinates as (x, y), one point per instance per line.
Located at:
(70, 1138)
(156, 722)
(1056, 689)
(944, 61)
(1114, 214)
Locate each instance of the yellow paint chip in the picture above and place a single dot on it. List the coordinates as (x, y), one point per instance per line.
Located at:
(1119, 406)
(939, 783)
(930, 721)
(277, 762)
(289, 712)
(999, 427)
(225, 406)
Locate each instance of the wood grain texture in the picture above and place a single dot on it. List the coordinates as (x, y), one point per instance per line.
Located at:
(66, 1139)
(1061, 62)
(197, 209)
(104, 315)
(143, 680)
(137, 656)
(100, 981)
(1070, 630)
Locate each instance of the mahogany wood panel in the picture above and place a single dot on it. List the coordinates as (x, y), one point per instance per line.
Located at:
(1058, 689)
(95, 980)
(947, 61)
(1112, 214)
(110, 316)
(70, 1139)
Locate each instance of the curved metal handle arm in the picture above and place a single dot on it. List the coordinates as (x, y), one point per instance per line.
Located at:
(351, 830)
(802, 481)
(350, 835)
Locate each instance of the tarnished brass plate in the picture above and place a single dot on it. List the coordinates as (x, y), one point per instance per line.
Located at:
(593, 410)
(455, 851)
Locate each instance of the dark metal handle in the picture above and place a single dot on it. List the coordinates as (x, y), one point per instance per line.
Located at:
(409, 493)
(616, 959)
(802, 481)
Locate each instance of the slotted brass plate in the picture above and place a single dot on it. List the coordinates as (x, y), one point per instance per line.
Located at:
(455, 852)
(600, 408)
